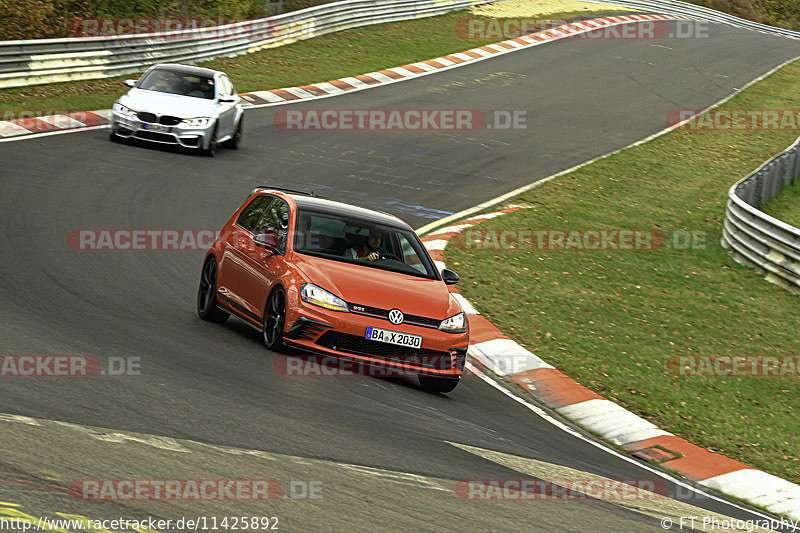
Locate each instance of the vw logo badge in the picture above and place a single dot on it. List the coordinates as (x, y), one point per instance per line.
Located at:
(396, 316)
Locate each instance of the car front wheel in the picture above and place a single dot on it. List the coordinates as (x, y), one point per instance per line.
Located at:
(234, 141)
(274, 319)
(207, 294)
(211, 151)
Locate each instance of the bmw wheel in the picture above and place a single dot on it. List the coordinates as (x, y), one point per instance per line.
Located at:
(211, 151)
(234, 141)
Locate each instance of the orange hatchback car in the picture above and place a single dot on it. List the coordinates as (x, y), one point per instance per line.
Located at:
(335, 279)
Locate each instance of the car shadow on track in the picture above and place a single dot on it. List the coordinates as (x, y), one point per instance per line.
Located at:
(170, 148)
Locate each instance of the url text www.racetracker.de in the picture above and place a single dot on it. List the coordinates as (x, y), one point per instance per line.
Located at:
(148, 525)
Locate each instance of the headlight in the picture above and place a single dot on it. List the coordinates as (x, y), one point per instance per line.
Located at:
(455, 324)
(312, 294)
(124, 111)
(196, 122)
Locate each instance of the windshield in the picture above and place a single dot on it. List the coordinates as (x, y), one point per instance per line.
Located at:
(361, 242)
(174, 82)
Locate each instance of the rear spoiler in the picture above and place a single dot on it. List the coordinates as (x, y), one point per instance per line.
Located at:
(283, 189)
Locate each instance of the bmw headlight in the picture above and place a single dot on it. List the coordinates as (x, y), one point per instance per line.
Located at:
(124, 111)
(455, 324)
(197, 122)
(312, 294)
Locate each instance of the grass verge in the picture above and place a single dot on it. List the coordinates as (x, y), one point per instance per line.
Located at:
(786, 206)
(320, 59)
(611, 319)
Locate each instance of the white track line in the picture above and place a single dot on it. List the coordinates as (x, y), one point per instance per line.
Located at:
(660, 473)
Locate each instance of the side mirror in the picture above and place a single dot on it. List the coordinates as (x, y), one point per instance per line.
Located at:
(268, 241)
(227, 99)
(449, 277)
(130, 83)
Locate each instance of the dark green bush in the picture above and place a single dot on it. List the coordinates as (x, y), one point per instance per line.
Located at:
(41, 19)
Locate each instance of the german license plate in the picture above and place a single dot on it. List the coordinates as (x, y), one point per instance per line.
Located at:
(156, 127)
(394, 337)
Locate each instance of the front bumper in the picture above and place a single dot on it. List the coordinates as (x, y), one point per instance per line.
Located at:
(316, 330)
(180, 135)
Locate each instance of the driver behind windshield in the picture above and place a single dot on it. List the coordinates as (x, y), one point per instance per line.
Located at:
(370, 250)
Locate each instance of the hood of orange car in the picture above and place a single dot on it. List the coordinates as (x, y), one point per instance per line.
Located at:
(377, 288)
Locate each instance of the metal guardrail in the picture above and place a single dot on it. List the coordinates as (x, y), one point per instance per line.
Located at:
(674, 7)
(34, 62)
(757, 239)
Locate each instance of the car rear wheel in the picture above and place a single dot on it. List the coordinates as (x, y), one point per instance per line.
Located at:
(234, 141)
(274, 319)
(440, 385)
(207, 294)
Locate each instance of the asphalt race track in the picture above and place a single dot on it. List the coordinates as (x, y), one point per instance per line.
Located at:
(387, 455)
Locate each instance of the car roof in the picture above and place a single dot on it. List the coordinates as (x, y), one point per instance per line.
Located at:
(187, 69)
(339, 208)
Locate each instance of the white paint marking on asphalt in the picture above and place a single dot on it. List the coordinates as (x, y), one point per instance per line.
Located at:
(20, 419)
(651, 503)
(403, 478)
(539, 411)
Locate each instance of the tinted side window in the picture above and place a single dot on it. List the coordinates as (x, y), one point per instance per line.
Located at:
(276, 218)
(249, 218)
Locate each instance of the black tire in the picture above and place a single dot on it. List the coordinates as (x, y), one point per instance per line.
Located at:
(234, 141)
(274, 319)
(113, 137)
(438, 385)
(211, 151)
(207, 294)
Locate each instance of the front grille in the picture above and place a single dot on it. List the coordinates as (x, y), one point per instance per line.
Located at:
(407, 319)
(146, 117)
(155, 136)
(354, 344)
(167, 120)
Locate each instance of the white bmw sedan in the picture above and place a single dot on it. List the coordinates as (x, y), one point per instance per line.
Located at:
(181, 105)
